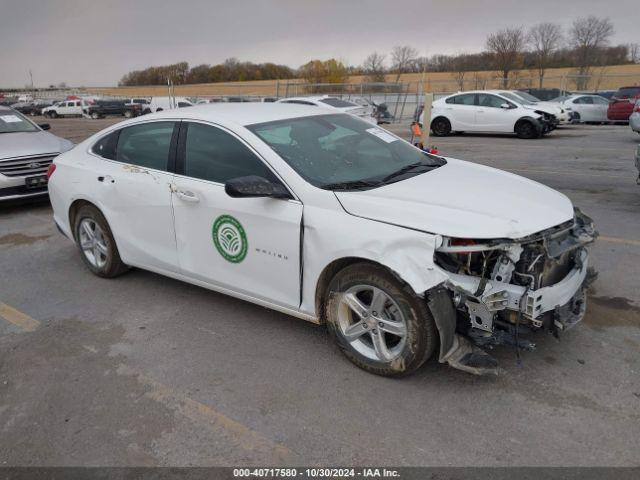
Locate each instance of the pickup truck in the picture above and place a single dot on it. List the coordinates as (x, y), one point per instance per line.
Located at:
(102, 108)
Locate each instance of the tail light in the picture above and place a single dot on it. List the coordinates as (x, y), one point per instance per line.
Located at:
(50, 170)
(637, 108)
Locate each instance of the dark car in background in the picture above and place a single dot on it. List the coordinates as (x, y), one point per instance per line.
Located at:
(24, 108)
(544, 94)
(622, 102)
(102, 108)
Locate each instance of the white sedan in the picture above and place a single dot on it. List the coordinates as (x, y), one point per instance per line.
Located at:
(586, 108)
(489, 111)
(325, 217)
(363, 111)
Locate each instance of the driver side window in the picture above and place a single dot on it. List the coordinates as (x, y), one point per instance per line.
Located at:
(215, 155)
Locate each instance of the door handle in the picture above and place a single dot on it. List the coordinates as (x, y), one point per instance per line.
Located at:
(187, 196)
(106, 179)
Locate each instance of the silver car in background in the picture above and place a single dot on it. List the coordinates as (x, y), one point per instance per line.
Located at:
(26, 151)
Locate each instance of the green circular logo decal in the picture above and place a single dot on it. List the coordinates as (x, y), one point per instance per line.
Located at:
(230, 239)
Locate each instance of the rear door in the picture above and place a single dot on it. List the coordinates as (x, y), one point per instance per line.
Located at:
(247, 245)
(461, 111)
(600, 107)
(133, 184)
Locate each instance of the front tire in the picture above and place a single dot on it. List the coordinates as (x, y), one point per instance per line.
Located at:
(378, 322)
(526, 130)
(96, 243)
(441, 127)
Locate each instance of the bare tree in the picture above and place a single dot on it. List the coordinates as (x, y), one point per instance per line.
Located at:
(460, 66)
(544, 39)
(587, 36)
(505, 47)
(634, 52)
(402, 58)
(373, 67)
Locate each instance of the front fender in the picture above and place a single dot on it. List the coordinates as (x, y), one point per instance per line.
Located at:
(330, 236)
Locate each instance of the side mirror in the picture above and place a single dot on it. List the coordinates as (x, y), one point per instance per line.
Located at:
(254, 186)
(44, 126)
(506, 106)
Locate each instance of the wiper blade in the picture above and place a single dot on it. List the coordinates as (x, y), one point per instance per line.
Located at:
(352, 185)
(408, 168)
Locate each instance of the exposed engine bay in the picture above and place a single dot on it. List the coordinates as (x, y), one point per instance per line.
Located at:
(502, 288)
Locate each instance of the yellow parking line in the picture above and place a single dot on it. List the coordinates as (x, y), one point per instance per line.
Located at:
(22, 320)
(624, 241)
(239, 434)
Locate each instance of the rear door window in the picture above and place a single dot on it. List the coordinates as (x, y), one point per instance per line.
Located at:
(146, 145)
(466, 99)
(106, 146)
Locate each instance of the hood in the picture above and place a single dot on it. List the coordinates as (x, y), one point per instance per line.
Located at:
(21, 144)
(552, 109)
(465, 200)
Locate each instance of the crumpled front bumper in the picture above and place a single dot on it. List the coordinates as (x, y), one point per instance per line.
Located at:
(532, 303)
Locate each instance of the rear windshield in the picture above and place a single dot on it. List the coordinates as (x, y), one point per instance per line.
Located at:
(627, 92)
(336, 102)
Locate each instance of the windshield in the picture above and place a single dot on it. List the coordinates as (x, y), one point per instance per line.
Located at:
(337, 103)
(342, 152)
(516, 98)
(528, 96)
(627, 92)
(11, 121)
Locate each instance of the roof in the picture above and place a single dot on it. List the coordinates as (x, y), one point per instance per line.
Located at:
(245, 113)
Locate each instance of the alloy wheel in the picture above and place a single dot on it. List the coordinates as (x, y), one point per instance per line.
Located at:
(93, 242)
(372, 323)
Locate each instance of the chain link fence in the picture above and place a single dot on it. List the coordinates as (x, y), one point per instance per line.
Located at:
(400, 98)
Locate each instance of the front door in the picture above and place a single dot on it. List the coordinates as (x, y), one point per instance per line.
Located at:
(248, 245)
(491, 117)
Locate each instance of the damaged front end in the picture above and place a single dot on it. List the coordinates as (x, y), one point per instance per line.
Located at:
(500, 290)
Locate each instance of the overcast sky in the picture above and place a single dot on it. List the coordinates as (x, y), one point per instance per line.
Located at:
(95, 42)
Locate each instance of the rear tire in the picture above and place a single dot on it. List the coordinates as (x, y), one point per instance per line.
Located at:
(95, 115)
(128, 114)
(526, 130)
(394, 332)
(96, 243)
(441, 127)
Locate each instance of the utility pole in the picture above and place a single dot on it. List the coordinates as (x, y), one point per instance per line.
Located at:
(31, 78)
(426, 121)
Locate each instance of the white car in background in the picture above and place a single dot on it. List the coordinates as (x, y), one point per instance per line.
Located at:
(585, 107)
(321, 215)
(26, 153)
(158, 104)
(363, 111)
(561, 113)
(489, 111)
